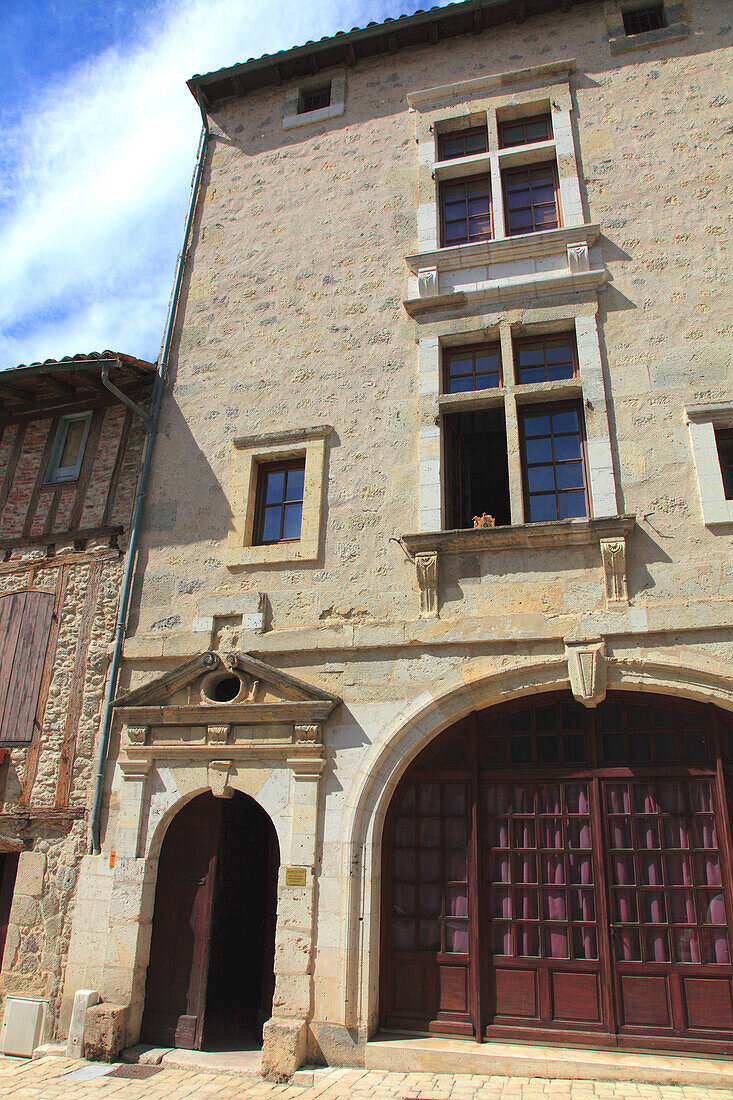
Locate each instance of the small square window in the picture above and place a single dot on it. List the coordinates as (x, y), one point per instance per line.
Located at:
(649, 18)
(463, 143)
(525, 131)
(67, 454)
(546, 358)
(465, 207)
(473, 368)
(724, 443)
(279, 503)
(314, 99)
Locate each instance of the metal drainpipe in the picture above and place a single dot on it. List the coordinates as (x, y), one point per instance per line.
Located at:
(150, 427)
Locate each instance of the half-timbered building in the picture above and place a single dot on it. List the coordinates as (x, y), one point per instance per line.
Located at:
(70, 452)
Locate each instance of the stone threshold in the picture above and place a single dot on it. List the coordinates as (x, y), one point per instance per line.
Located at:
(236, 1063)
(407, 1054)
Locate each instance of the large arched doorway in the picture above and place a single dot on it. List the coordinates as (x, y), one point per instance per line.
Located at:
(210, 977)
(557, 872)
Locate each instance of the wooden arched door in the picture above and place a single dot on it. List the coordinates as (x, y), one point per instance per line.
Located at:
(210, 976)
(561, 872)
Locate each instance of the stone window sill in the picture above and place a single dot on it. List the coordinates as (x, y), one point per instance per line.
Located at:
(563, 532)
(674, 33)
(504, 249)
(607, 533)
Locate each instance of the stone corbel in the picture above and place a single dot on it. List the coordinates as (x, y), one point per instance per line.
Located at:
(308, 735)
(587, 670)
(578, 258)
(137, 735)
(218, 776)
(218, 734)
(426, 564)
(613, 556)
(427, 282)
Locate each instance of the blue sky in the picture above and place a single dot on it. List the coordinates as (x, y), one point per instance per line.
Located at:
(98, 135)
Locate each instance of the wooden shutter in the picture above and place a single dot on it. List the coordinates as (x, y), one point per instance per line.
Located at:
(25, 623)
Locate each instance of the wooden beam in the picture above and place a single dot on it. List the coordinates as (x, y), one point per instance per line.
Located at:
(14, 394)
(62, 388)
(17, 541)
(392, 43)
(350, 54)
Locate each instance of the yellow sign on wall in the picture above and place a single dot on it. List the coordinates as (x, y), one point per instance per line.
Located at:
(295, 876)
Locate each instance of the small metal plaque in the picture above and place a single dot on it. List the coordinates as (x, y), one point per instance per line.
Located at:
(295, 876)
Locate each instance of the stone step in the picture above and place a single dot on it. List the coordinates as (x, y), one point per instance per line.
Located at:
(406, 1054)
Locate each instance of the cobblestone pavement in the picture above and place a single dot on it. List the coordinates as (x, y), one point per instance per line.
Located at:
(49, 1079)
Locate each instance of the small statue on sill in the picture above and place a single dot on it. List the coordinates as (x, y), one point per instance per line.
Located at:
(484, 521)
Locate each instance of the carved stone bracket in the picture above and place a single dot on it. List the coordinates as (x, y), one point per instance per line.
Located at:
(218, 734)
(218, 776)
(426, 564)
(308, 735)
(578, 258)
(427, 282)
(613, 556)
(587, 670)
(137, 735)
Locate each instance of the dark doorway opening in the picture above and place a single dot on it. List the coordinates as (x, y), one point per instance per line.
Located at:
(210, 977)
(8, 871)
(477, 470)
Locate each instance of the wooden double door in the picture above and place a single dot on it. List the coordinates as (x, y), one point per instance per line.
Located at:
(559, 872)
(210, 977)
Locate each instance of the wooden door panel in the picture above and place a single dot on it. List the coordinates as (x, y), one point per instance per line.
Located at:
(410, 991)
(25, 625)
(645, 1000)
(515, 993)
(709, 1004)
(452, 989)
(175, 995)
(576, 997)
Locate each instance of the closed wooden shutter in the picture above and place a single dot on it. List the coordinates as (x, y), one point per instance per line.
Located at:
(25, 623)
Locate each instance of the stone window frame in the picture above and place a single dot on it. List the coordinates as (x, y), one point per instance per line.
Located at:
(336, 107)
(542, 90)
(675, 29)
(702, 421)
(248, 453)
(545, 261)
(586, 386)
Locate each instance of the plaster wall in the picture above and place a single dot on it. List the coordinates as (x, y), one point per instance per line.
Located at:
(292, 317)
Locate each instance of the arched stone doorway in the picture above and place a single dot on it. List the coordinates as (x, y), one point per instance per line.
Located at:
(210, 976)
(555, 872)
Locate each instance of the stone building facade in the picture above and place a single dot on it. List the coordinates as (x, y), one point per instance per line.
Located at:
(435, 582)
(69, 459)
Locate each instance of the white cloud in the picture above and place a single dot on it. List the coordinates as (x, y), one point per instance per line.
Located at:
(93, 219)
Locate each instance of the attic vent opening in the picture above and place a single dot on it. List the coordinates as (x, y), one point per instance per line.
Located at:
(640, 20)
(223, 688)
(314, 99)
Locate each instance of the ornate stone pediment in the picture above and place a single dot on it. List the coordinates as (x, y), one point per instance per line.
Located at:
(224, 699)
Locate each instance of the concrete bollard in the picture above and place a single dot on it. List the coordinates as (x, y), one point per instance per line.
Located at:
(83, 999)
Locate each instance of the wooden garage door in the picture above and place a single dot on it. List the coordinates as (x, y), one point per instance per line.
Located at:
(556, 871)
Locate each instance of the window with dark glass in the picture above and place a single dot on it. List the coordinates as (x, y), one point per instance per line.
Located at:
(546, 358)
(724, 441)
(279, 507)
(648, 18)
(476, 468)
(463, 143)
(524, 131)
(552, 460)
(473, 368)
(465, 207)
(530, 199)
(313, 99)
